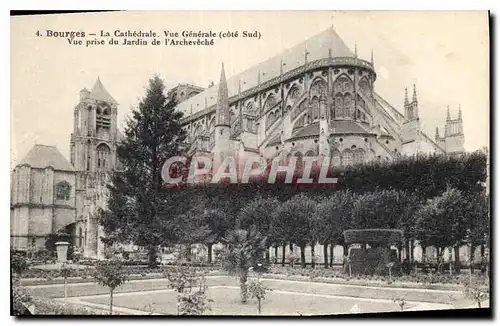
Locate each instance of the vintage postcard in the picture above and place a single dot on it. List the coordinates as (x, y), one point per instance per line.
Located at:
(280, 163)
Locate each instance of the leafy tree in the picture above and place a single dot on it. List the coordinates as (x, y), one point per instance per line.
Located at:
(478, 223)
(195, 303)
(218, 222)
(190, 227)
(258, 291)
(18, 262)
(140, 210)
(331, 219)
(258, 213)
(279, 230)
(110, 273)
(294, 222)
(476, 292)
(245, 249)
(442, 221)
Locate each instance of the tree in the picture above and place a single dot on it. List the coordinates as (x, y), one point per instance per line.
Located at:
(442, 221)
(385, 209)
(478, 224)
(245, 249)
(258, 291)
(190, 227)
(294, 222)
(18, 262)
(218, 223)
(258, 213)
(331, 219)
(110, 273)
(140, 209)
(476, 292)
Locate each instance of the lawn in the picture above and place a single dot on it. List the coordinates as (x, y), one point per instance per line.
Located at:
(287, 298)
(226, 301)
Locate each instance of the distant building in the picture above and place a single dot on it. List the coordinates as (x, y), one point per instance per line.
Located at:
(317, 98)
(50, 194)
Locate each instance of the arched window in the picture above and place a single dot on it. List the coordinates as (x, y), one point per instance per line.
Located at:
(315, 108)
(270, 102)
(299, 157)
(293, 94)
(347, 157)
(319, 86)
(63, 190)
(310, 153)
(338, 106)
(335, 161)
(347, 105)
(359, 156)
(103, 157)
(364, 85)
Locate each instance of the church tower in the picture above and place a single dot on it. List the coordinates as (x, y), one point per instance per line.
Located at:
(93, 154)
(222, 122)
(411, 127)
(454, 134)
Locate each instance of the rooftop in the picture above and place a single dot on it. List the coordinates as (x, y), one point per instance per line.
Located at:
(325, 44)
(43, 156)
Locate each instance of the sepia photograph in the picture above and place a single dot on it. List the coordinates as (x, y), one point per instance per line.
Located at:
(250, 163)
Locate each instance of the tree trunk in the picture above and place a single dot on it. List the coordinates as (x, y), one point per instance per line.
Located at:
(209, 251)
(471, 258)
(110, 301)
(325, 254)
(411, 257)
(482, 251)
(283, 255)
(152, 256)
(345, 246)
(332, 246)
(65, 290)
(275, 254)
(291, 246)
(259, 303)
(457, 258)
(313, 255)
(303, 256)
(243, 287)
(268, 258)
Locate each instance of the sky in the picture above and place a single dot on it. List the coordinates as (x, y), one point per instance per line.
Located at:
(446, 54)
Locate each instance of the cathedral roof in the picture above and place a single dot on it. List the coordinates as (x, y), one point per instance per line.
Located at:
(325, 44)
(43, 156)
(100, 93)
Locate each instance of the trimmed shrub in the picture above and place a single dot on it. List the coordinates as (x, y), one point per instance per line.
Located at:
(374, 237)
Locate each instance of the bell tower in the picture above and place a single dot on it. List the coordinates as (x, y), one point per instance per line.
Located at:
(93, 155)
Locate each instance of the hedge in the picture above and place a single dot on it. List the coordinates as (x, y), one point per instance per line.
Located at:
(427, 176)
(374, 236)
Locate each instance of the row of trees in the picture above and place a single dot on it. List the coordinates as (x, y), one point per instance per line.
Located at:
(412, 195)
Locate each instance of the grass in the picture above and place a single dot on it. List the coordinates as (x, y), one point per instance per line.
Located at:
(227, 302)
(85, 289)
(287, 298)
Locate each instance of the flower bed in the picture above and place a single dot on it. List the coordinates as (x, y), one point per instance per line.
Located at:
(429, 281)
(24, 300)
(87, 272)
